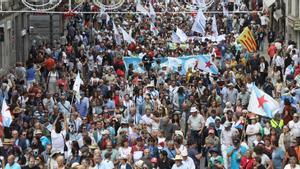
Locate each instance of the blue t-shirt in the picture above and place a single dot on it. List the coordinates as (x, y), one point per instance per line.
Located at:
(277, 157)
(236, 156)
(30, 74)
(14, 166)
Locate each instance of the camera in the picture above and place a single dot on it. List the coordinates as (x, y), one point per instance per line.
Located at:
(35, 152)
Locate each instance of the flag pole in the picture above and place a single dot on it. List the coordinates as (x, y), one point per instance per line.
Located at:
(72, 97)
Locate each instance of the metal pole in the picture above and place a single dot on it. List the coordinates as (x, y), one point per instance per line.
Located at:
(113, 12)
(51, 30)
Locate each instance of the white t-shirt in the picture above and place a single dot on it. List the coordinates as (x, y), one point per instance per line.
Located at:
(196, 122)
(289, 166)
(265, 160)
(295, 127)
(122, 151)
(295, 58)
(58, 141)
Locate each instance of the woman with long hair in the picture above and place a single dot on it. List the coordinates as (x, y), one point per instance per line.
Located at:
(40, 162)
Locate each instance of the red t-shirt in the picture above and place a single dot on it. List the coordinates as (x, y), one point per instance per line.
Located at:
(247, 163)
(49, 64)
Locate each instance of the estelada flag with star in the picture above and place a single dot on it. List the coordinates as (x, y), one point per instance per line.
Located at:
(262, 104)
(205, 63)
(247, 40)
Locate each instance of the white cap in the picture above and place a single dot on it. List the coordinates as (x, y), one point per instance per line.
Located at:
(193, 109)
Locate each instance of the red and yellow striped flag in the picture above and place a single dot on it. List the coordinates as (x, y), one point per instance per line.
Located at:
(247, 40)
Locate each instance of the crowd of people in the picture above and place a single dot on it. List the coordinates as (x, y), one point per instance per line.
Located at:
(160, 118)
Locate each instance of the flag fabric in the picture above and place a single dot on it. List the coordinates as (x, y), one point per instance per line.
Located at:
(225, 10)
(153, 28)
(199, 23)
(262, 104)
(205, 64)
(174, 63)
(78, 82)
(127, 37)
(247, 40)
(175, 38)
(5, 115)
(152, 13)
(140, 8)
(182, 36)
(214, 27)
(117, 35)
(102, 12)
(200, 2)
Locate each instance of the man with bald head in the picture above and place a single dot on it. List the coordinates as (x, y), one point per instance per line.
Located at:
(11, 164)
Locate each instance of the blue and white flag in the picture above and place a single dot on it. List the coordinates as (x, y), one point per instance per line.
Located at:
(154, 29)
(199, 23)
(262, 104)
(174, 63)
(205, 64)
(5, 113)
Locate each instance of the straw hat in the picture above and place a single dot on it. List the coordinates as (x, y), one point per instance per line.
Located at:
(93, 146)
(178, 157)
(7, 141)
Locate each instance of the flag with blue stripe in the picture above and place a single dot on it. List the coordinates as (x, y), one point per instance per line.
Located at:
(262, 104)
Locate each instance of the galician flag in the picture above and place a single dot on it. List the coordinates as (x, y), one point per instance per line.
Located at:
(262, 104)
(5, 114)
(153, 28)
(205, 64)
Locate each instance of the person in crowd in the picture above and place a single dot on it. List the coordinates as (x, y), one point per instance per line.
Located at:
(123, 90)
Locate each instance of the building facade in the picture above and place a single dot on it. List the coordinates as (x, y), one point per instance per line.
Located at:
(293, 21)
(21, 30)
(14, 45)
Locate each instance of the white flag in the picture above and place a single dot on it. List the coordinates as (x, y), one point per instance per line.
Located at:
(126, 36)
(182, 36)
(214, 27)
(175, 38)
(78, 82)
(106, 15)
(200, 2)
(117, 35)
(140, 8)
(5, 113)
(152, 11)
(199, 23)
(225, 10)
